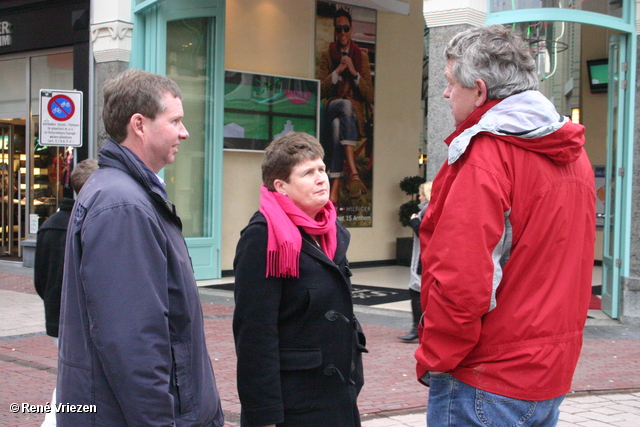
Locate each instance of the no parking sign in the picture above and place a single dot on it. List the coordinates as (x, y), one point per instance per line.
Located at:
(60, 118)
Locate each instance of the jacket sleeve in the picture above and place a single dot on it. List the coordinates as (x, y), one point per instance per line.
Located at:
(41, 264)
(458, 266)
(415, 225)
(327, 88)
(365, 87)
(124, 274)
(255, 329)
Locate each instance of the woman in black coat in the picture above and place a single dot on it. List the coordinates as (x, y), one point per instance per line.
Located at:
(298, 342)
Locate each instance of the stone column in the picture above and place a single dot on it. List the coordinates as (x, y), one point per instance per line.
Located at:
(111, 52)
(439, 119)
(111, 31)
(443, 23)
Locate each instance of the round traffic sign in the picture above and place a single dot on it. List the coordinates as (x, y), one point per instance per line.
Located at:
(61, 108)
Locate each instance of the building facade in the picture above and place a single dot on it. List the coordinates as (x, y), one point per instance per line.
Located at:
(233, 58)
(200, 43)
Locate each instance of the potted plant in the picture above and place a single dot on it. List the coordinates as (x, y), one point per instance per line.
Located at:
(410, 185)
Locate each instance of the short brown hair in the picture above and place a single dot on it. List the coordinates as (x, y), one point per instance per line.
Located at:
(81, 173)
(134, 91)
(286, 152)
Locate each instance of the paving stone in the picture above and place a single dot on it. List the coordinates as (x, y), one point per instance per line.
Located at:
(572, 418)
(594, 415)
(627, 409)
(391, 397)
(606, 410)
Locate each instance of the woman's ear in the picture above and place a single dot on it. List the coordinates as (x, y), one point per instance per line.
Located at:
(279, 185)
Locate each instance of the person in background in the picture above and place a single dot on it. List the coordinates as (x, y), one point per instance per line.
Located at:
(49, 260)
(297, 339)
(132, 339)
(346, 88)
(424, 194)
(507, 244)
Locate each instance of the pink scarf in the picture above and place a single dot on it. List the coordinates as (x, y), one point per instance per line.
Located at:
(284, 239)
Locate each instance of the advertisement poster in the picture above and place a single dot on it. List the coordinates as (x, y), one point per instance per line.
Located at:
(259, 108)
(345, 66)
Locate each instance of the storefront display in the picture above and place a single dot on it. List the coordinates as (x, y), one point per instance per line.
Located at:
(34, 177)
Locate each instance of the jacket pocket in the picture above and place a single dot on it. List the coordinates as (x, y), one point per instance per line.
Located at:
(74, 381)
(299, 375)
(297, 359)
(182, 380)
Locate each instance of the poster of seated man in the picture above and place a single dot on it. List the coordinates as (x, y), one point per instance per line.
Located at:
(345, 54)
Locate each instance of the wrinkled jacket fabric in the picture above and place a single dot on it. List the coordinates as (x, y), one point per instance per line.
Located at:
(131, 334)
(507, 248)
(297, 339)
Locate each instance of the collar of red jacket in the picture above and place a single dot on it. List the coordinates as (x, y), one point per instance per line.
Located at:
(473, 118)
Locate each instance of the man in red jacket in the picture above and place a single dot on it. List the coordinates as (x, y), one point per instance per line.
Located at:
(507, 244)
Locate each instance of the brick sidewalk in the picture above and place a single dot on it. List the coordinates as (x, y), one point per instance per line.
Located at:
(28, 364)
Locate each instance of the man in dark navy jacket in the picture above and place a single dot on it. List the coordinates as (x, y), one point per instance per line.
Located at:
(132, 344)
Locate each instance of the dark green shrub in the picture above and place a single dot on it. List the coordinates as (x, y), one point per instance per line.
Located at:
(410, 185)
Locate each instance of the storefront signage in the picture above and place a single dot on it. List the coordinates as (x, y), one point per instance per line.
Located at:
(60, 118)
(27, 25)
(5, 33)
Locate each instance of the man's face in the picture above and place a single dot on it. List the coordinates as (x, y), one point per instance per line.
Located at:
(461, 100)
(165, 133)
(343, 31)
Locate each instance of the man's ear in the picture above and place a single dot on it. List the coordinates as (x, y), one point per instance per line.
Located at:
(481, 88)
(137, 124)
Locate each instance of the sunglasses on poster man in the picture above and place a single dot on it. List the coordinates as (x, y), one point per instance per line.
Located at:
(341, 28)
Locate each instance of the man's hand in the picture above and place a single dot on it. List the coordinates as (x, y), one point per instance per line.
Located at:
(346, 62)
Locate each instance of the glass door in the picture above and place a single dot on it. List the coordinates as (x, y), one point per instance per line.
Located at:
(184, 41)
(12, 186)
(188, 64)
(614, 174)
(8, 192)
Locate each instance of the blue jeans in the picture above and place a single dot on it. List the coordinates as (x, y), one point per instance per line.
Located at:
(453, 403)
(343, 130)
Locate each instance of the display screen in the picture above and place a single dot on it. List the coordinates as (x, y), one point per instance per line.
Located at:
(260, 108)
(598, 75)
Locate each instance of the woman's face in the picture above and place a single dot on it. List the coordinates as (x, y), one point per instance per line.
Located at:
(308, 186)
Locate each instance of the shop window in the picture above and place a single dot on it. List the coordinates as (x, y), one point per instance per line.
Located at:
(32, 177)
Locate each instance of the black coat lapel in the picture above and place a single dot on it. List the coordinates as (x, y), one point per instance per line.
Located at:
(310, 247)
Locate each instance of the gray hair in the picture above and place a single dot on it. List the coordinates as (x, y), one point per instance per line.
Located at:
(495, 55)
(134, 91)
